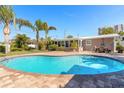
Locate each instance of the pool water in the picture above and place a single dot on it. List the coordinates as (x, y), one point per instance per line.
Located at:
(79, 64)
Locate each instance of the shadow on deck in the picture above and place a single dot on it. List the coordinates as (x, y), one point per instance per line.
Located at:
(115, 80)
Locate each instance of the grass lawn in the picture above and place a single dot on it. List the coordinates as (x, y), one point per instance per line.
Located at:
(20, 52)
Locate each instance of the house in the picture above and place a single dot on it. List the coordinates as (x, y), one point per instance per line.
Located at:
(91, 42)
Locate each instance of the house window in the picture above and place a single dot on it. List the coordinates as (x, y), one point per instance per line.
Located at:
(88, 42)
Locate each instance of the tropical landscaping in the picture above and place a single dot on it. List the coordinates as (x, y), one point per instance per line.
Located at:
(21, 41)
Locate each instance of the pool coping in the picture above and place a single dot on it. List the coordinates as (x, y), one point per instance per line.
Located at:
(44, 54)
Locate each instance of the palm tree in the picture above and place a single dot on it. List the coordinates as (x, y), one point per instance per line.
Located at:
(47, 28)
(38, 27)
(7, 16)
(23, 22)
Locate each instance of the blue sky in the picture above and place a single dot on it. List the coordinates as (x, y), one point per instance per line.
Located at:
(74, 20)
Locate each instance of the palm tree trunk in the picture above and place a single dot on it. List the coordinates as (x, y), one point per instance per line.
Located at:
(46, 37)
(6, 37)
(37, 38)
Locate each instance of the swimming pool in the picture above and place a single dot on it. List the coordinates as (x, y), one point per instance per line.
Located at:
(77, 64)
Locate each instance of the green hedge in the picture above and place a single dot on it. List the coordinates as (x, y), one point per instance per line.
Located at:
(2, 48)
(119, 48)
(52, 47)
(16, 49)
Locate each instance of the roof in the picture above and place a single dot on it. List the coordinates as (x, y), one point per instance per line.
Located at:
(90, 37)
(100, 36)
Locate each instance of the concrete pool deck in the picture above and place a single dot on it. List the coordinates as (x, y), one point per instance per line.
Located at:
(17, 79)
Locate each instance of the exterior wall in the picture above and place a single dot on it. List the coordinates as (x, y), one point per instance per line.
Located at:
(108, 43)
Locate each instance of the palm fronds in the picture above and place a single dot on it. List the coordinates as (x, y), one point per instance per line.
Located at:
(26, 23)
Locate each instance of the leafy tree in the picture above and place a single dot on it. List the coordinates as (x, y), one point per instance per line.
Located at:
(121, 33)
(21, 41)
(108, 30)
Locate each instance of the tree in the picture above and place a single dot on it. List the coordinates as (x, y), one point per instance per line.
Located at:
(121, 33)
(108, 30)
(38, 27)
(22, 22)
(47, 28)
(21, 41)
(69, 36)
(7, 16)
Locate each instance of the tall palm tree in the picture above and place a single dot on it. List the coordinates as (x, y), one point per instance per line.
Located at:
(47, 28)
(7, 16)
(38, 27)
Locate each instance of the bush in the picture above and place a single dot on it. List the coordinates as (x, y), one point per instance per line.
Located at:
(74, 45)
(26, 47)
(41, 45)
(16, 49)
(119, 48)
(2, 48)
(52, 47)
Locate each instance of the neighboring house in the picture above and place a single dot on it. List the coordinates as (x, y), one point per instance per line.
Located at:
(32, 45)
(91, 42)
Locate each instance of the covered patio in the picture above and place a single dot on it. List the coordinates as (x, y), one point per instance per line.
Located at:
(91, 43)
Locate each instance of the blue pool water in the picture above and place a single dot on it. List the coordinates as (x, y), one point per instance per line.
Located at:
(80, 64)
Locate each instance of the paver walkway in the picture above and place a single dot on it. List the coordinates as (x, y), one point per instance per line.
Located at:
(23, 80)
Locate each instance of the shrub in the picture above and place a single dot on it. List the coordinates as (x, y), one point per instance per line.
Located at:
(41, 45)
(25, 47)
(2, 48)
(119, 48)
(16, 49)
(74, 45)
(52, 47)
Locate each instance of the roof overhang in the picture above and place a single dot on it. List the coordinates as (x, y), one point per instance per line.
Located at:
(90, 37)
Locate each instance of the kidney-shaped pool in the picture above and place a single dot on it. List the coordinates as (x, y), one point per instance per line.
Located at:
(78, 64)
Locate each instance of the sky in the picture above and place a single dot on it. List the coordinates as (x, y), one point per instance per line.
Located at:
(71, 20)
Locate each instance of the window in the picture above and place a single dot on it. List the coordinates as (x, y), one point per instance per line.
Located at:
(88, 42)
